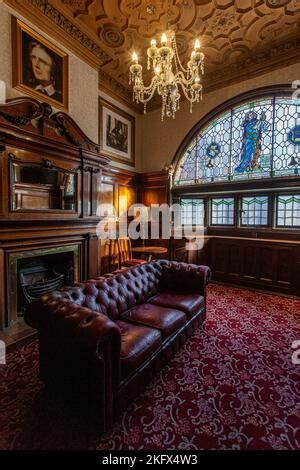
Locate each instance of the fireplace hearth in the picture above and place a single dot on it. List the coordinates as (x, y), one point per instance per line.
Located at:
(34, 273)
(39, 279)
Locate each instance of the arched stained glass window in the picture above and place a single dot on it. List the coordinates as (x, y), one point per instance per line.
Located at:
(255, 139)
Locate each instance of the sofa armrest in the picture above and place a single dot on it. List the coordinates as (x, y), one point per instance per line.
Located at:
(79, 352)
(184, 277)
(88, 327)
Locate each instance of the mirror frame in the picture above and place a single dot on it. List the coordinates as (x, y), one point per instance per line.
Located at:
(46, 164)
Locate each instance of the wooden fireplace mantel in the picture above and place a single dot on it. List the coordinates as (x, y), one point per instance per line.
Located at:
(36, 122)
(32, 134)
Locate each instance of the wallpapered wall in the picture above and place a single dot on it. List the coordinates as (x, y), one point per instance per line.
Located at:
(83, 83)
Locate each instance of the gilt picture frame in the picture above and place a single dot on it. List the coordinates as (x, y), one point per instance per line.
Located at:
(40, 69)
(116, 133)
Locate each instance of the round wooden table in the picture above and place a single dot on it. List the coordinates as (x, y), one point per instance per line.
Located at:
(149, 251)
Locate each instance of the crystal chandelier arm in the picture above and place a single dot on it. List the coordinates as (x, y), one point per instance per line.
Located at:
(191, 95)
(148, 92)
(181, 79)
(192, 98)
(153, 84)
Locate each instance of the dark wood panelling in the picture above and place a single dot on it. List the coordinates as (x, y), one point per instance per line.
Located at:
(154, 196)
(266, 260)
(233, 261)
(86, 199)
(3, 289)
(219, 260)
(154, 188)
(256, 263)
(248, 262)
(285, 274)
(127, 197)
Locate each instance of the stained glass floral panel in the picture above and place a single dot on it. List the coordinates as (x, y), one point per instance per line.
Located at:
(255, 210)
(222, 211)
(288, 211)
(192, 211)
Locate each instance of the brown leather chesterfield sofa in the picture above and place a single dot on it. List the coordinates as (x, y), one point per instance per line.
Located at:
(102, 340)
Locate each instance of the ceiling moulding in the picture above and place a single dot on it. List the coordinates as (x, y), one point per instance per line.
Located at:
(39, 12)
(258, 63)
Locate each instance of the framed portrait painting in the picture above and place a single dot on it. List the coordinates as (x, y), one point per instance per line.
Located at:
(117, 133)
(40, 69)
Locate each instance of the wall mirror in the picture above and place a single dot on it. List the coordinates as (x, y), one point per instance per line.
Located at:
(42, 187)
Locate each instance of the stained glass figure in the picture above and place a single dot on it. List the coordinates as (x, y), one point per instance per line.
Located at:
(251, 142)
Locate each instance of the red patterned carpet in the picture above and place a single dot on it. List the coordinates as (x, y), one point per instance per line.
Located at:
(232, 386)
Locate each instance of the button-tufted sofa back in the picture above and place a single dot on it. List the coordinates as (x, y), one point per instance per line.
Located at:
(183, 277)
(113, 295)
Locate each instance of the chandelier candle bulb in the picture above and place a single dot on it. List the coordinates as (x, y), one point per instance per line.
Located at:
(197, 45)
(164, 39)
(135, 57)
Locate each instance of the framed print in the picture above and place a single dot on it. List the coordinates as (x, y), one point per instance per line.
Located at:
(117, 133)
(40, 69)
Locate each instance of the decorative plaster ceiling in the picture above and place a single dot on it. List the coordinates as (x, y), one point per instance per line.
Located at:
(239, 38)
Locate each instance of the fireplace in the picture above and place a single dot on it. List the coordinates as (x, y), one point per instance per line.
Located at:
(33, 273)
(40, 278)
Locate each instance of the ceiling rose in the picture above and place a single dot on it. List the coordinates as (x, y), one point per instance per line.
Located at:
(150, 9)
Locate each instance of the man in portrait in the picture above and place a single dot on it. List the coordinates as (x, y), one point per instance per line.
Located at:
(42, 72)
(40, 68)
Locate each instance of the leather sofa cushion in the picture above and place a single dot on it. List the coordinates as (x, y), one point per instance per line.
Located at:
(190, 304)
(167, 320)
(138, 343)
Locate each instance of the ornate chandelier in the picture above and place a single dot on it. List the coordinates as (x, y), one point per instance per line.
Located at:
(168, 75)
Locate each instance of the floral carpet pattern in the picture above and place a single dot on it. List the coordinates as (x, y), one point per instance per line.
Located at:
(232, 386)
